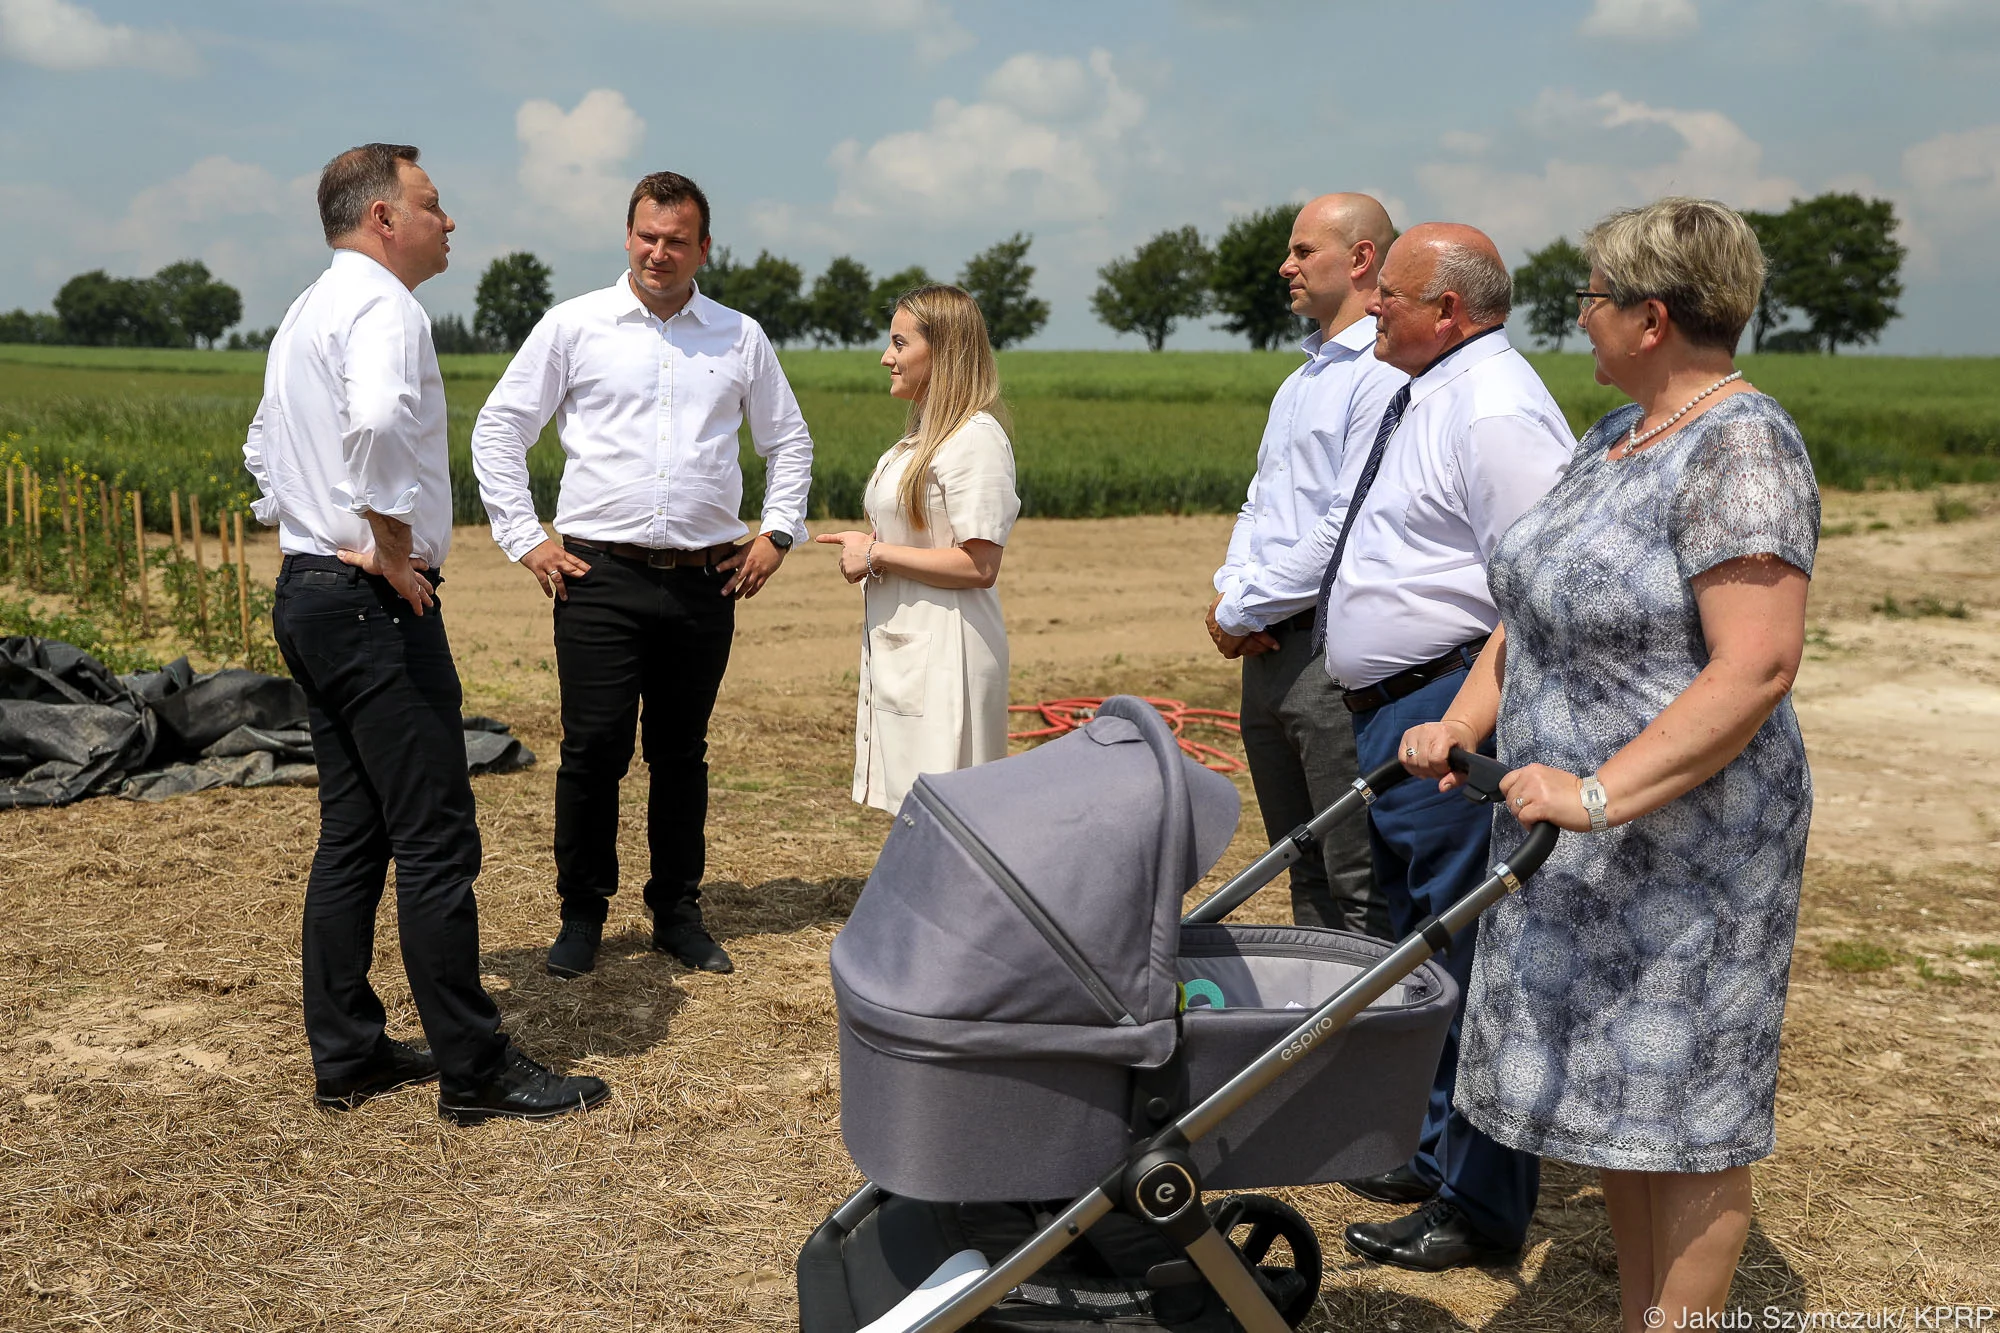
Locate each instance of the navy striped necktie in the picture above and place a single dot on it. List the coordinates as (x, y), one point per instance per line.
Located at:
(1390, 418)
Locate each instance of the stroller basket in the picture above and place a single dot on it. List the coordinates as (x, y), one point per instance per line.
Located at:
(997, 1129)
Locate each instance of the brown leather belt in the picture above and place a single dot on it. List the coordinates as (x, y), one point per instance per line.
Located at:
(655, 557)
(1405, 683)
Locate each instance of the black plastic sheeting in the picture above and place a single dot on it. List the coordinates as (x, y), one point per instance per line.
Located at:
(69, 728)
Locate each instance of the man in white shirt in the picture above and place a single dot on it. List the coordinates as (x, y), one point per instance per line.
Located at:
(1295, 733)
(1466, 448)
(648, 382)
(348, 451)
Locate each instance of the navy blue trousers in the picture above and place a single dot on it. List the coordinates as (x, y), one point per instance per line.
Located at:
(1430, 848)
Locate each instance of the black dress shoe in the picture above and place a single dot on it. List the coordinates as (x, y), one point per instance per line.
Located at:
(396, 1065)
(523, 1090)
(690, 942)
(1401, 1185)
(1434, 1238)
(575, 950)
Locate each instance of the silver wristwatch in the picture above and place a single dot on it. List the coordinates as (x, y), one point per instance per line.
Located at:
(1594, 801)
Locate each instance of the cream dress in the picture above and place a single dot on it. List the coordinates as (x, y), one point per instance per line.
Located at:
(934, 660)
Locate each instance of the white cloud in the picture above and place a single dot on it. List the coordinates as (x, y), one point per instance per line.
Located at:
(1955, 179)
(930, 22)
(572, 162)
(1916, 11)
(1043, 146)
(60, 35)
(1715, 159)
(1641, 20)
(1466, 142)
(238, 218)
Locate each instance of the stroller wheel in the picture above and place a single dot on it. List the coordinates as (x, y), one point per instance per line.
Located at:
(1252, 1222)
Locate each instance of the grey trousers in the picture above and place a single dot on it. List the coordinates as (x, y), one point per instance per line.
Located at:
(1299, 739)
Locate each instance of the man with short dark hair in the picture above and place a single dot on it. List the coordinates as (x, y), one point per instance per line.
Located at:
(1295, 734)
(348, 450)
(649, 382)
(1463, 450)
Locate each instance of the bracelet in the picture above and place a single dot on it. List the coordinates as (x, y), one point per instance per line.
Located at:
(868, 559)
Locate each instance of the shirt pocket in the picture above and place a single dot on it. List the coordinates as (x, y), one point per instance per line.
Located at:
(899, 664)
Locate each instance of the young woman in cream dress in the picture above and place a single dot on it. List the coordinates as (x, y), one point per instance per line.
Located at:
(941, 503)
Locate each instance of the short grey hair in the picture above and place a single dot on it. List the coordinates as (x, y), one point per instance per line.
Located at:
(352, 182)
(1482, 282)
(1696, 257)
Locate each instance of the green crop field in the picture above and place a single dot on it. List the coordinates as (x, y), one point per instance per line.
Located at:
(1096, 433)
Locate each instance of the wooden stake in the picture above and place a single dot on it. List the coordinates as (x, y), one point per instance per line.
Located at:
(104, 508)
(10, 496)
(242, 589)
(200, 570)
(174, 499)
(82, 548)
(139, 560)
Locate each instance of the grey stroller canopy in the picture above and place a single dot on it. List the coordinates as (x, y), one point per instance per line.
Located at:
(1031, 908)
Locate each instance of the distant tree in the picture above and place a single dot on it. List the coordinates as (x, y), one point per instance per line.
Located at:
(22, 326)
(1164, 282)
(452, 336)
(98, 310)
(998, 279)
(1547, 285)
(1773, 238)
(717, 274)
(513, 296)
(1244, 281)
(841, 309)
(201, 306)
(1841, 266)
(893, 286)
(768, 290)
(256, 340)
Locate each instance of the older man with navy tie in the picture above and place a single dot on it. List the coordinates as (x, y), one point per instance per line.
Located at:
(348, 449)
(1467, 447)
(1295, 734)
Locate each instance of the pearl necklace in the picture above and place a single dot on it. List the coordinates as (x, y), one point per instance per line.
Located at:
(1630, 444)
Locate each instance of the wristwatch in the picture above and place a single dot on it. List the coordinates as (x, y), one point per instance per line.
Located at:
(781, 540)
(1594, 801)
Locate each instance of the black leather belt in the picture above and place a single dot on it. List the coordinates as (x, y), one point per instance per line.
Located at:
(655, 557)
(1405, 683)
(299, 562)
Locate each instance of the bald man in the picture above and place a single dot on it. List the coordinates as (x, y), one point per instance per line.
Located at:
(1295, 733)
(1466, 448)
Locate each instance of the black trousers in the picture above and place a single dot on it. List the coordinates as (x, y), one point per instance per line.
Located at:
(627, 634)
(1299, 739)
(383, 698)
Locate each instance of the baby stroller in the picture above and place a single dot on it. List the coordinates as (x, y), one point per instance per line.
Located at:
(1043, 1066)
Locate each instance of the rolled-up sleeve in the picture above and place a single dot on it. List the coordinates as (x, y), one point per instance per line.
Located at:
(381, 368)
(976, 471)
(265, 507)
(536, 382)
(779, 435)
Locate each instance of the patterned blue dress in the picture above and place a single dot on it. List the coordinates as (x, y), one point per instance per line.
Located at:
(1625, 1006)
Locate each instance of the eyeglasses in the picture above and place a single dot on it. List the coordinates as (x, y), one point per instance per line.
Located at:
(1585, 300)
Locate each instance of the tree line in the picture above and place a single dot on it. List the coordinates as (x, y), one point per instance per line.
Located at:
(1832, 269)
(1832, 279)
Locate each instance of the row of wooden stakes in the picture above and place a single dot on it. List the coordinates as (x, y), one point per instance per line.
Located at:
(71, 502)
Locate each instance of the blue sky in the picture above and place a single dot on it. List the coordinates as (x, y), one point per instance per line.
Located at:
(918, 131)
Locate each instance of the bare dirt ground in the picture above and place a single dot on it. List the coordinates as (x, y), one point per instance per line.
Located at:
(161, 1165)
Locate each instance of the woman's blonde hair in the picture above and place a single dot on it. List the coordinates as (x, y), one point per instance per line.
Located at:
(1697, 257)
(964, 380)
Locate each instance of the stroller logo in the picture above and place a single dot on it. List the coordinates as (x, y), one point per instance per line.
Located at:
(1306, 1040)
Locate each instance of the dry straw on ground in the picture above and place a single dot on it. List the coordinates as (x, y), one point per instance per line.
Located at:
(161, 1167)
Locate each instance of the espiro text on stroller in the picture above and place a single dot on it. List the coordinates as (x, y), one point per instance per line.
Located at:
(1043, 1064)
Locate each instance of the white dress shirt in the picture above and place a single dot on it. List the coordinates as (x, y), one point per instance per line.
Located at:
(1321, 427)
(353, 418)
(1479, 444)
(647, 411)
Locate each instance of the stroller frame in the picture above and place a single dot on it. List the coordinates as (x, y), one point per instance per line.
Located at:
(1158, 1183)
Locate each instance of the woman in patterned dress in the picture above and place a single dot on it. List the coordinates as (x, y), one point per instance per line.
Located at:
(1625, 1008)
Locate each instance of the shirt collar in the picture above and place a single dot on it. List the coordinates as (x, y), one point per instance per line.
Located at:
(346, 258)
(1481, 346)
(1356, 337)
(700, 308)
